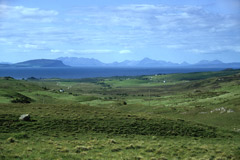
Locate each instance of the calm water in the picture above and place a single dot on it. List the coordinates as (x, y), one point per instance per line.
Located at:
(75, 73)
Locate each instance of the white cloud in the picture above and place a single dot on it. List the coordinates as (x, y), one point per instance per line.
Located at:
(141, 7)
(35, 12)
(216, 49)
(89, 51)
(5, 41)
(29, 46)
(155, 24)
(187, 28)
(198, 50)
(55, 51)
(26, 14)
(86, 51)
(125, 51)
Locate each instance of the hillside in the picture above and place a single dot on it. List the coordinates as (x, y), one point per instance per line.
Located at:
(146, 117)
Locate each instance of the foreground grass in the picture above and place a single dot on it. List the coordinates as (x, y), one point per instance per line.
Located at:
(101, 146)
(176, 116)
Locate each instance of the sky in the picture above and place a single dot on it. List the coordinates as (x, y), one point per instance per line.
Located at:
(107, 30)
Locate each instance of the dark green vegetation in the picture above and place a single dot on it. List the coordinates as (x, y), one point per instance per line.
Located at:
(175, 116)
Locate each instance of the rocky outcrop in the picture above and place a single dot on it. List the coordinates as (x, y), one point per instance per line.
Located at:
(24, 117)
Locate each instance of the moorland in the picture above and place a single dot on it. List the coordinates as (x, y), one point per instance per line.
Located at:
(173, 116)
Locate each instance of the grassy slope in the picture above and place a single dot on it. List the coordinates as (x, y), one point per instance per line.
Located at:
(90, 121)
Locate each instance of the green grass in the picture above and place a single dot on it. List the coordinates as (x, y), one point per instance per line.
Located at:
(123, 117)
(101, 147)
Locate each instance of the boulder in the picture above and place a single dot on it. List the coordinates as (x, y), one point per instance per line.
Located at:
(24, 117)
(230, 111)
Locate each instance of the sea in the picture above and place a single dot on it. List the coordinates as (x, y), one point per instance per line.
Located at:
(91, 72)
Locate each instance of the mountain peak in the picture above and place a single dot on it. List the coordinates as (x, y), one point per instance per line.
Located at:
(146, 59)
(41, 63)
(79, 62)
(210, 62)
(217, 62)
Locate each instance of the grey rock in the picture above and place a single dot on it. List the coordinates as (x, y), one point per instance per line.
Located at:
(202, 112)
(24, 117)
(230, 111)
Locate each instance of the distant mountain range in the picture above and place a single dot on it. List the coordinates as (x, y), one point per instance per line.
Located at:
(36, 63)
(146, 62)
(91, 62)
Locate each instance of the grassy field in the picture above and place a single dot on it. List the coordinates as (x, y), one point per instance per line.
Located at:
(159, 117)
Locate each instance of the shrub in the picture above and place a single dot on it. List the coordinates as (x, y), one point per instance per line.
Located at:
(112, 141)
(79, 149)
(150, 150)
(8, 78)
(21, 99)
(130, 146)
(116, 149)
(11, 140)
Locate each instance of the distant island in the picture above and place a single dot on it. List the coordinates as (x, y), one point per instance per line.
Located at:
(37, 63)
(91, 62)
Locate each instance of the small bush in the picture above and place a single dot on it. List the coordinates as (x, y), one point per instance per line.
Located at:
(150, 150)
(21, 99)
(8, 78)
(112, 141)
(79, 149)
(130, 146)
(11, 140)
(116, 149)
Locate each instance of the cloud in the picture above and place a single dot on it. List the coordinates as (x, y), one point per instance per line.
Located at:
(5, 41)
(55, 51)
(29, 46)
(89, 51)
(125, 51)
(86, 51)
(216, 49)
(21, 13)
(40, 46)
(141, 7)
(156, 24)
(186, 28)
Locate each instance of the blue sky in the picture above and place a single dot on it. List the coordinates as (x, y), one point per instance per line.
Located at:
(170, 30)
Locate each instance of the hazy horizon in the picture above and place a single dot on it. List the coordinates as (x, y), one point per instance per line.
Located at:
(118, 61)
(110, 31)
